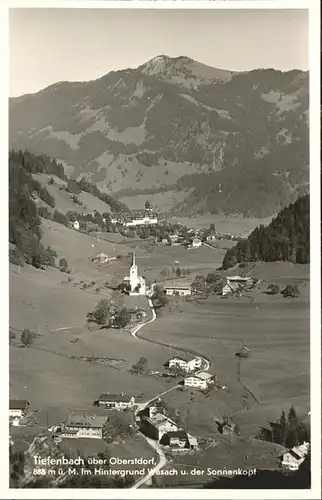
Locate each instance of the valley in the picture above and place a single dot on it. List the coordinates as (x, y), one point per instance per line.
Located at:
(275, 329)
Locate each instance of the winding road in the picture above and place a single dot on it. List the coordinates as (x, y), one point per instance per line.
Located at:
(154, 444)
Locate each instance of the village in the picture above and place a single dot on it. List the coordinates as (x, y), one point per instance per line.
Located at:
(147, 222)
(189, 373)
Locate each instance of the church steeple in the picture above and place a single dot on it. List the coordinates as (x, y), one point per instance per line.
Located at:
(133, 260)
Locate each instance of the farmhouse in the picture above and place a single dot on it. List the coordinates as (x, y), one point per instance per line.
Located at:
(200, 380)
(136, 282)
(185, 363)
(292, 459)
(178, 287)
(101, 258)
(196, 243)
(158, 425)
(115, 401)
(176, 439)
(236, 283)
(226, 427)
(179, 439)
(18, 407)
(84, 426)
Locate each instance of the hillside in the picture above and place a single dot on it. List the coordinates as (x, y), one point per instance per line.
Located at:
(286, 238)
(174, 123)
(39, 188)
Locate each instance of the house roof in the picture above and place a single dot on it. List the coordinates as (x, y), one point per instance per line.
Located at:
(192, 440)
(92, 421)
(180, 433)
(203, 375)
(185, 358)
(159, 419)
(18, 404)
(112, 398)
(181, 284)
(238, 278)
(300, 451)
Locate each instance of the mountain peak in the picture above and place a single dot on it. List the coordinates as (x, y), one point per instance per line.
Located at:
(157, 64)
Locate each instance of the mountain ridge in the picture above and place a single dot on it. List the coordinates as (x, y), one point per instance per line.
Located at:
(151, 126)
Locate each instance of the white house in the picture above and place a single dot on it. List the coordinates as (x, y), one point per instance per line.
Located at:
(84, 426)
(136, 282)
(292, 459)
(185, 363)
(17, 408)
(116, 401)
(178, 287)
(196, 243)
(200, 380)
(101, 258)
(76, 225)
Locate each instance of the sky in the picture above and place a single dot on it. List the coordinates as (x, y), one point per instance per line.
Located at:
(51, 45)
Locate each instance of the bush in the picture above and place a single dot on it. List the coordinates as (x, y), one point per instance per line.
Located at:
(44, 212)
(105, 309)
(272, 289)
(159, 298)
(122, 318)
(16, 257)
(141, 367)
(61, 218)
(26, 337)
(73, 187)
(291, 291)
(63, 265)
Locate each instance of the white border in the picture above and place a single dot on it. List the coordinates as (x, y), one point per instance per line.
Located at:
(314, 48)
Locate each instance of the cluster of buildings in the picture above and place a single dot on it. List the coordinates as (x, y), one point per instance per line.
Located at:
(237, 284)
(157, 426)
(145, 217)
(197, 379)
(102, 258)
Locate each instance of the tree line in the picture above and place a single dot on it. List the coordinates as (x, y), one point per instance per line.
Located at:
(286, 238)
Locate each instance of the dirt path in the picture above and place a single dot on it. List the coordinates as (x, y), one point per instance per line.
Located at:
(161, 463)
(134, 332)
(242, 383)
(154, 444)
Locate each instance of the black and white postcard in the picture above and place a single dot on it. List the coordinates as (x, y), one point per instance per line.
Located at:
(161, 316)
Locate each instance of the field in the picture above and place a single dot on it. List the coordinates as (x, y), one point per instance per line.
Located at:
(63, 200)
(275, 329)
(224, 224)
(162, 201)
(78, 247)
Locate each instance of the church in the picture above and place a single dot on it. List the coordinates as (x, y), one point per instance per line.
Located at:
(136, 282)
